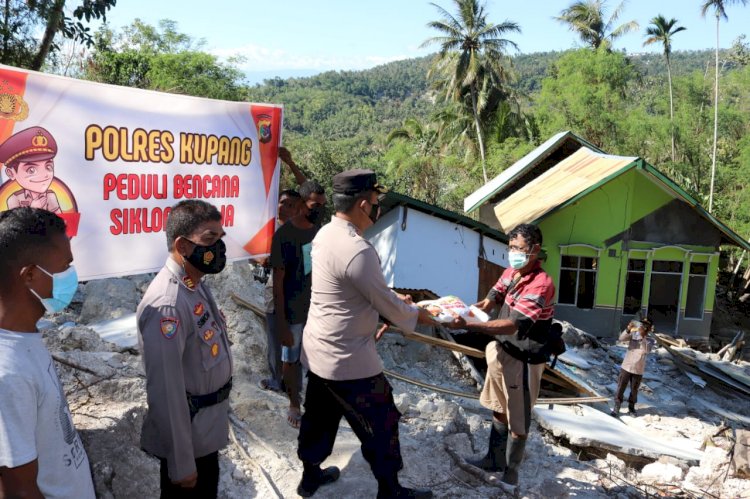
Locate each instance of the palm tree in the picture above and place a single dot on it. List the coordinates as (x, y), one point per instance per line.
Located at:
(719, 11)
(469, 63)
(586, 17)
(662, 31)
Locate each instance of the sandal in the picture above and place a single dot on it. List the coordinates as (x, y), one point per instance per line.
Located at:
(265, 384)
(293, 417)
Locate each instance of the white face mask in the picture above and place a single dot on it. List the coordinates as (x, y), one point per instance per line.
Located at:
(517, 260)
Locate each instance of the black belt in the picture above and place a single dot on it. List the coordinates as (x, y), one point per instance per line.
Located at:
(198, 402)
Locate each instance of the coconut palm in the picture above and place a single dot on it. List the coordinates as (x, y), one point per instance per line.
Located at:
(719, 10)
(469, 64)
(661, 31)
(586, 18)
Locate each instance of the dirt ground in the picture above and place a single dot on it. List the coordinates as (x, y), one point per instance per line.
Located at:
(109, 402)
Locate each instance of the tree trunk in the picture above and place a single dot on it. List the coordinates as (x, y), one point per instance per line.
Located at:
(671, 103)
(53, 24)
(479, 131)
(716, 121)
(6, 34)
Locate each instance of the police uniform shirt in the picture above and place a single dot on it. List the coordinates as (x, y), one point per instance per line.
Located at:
(185, 348)
(46, 201)
(348, 293)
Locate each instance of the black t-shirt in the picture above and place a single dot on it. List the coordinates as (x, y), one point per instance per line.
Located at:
(290, 250)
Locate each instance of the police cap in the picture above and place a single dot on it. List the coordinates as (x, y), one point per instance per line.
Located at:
(356, 181)
(31, 144)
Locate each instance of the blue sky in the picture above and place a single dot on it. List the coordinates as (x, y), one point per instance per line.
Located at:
(303, 37)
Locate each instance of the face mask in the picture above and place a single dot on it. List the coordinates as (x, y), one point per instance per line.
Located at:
(315, 215)
(64, 286)
(518, 260)
(374, 213)
(209, 259)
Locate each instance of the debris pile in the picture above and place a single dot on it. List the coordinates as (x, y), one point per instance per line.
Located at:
(683, 443)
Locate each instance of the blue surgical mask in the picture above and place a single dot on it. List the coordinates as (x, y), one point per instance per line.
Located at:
(517, 260)
(64, 286)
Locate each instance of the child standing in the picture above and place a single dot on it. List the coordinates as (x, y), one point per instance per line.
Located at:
(631, 371)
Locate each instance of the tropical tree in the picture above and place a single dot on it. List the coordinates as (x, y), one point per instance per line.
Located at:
(587, 19)
(719, 8)
(468, 66)
(29, 28)
(661, 31)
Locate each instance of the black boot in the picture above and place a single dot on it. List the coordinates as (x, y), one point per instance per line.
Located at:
(514, 457)
(313, 477)
(389, 488)
(494, 460)
(631, 410)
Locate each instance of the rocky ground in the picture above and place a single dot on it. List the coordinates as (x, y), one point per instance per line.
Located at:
(108, 403)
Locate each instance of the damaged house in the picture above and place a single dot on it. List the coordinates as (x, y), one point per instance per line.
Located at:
(621, 238)
(424, 247)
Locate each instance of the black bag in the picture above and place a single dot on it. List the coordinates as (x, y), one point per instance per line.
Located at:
(555, 346)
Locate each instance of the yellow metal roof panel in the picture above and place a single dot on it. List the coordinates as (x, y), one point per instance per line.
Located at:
(580, 171)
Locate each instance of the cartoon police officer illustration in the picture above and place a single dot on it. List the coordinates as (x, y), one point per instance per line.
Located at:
(28, 158)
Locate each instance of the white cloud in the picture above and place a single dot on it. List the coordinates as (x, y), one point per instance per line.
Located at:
(260, 58)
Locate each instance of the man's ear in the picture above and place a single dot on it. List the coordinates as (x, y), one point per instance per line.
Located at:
(182, 245)
(11, 173)
(28, 273)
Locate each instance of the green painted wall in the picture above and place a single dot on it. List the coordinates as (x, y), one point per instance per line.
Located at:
(605, 212)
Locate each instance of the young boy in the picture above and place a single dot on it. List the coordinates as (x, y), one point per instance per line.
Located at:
(631, 371)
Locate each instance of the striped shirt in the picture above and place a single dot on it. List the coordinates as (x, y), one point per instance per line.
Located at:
(530, 305)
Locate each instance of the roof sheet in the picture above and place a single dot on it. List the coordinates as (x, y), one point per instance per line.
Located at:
(476, 198)
(572, 176)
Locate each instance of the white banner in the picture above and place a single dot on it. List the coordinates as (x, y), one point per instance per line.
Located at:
(111, 161)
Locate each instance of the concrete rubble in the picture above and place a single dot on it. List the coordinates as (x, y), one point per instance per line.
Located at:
(108, 398)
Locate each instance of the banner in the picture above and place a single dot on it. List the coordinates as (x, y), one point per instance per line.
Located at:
(112, 161)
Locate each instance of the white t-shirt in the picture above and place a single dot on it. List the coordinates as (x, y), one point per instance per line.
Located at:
(35, 422)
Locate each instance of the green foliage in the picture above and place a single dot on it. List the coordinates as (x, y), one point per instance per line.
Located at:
(587, 93)
(148, 57)
(29, 29)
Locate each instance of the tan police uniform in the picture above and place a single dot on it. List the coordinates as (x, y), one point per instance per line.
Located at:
(183, 337)
(45, 201)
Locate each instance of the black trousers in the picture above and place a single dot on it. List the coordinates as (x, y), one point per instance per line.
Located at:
(367, 404)
(208, 480)
(625, 378)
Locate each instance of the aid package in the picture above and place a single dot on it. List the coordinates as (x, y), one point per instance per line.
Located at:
(447, 308)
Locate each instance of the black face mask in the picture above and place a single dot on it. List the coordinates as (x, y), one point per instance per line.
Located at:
(315, 215)
(374, 212)
(209, 259)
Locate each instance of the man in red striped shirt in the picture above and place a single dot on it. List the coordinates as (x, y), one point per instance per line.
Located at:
(515, 361)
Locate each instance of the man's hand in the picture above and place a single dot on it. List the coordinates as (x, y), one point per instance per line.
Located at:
(189, 482)
(458, 322)
(484, 305)
(425, 317)
(285, 334)
(381, 331)
(405, 298)
(285, 156)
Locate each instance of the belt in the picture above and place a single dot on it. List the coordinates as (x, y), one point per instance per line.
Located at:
(198, 402)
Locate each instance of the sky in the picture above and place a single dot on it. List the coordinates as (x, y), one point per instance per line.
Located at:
(302, 37)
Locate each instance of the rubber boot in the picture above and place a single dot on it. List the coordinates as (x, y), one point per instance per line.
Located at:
(631, 410)
(514, 457)
(313, 477)
(389, 488)
(494, 460)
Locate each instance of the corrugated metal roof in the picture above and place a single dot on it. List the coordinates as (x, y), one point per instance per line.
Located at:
(523, 165)
(572, 176)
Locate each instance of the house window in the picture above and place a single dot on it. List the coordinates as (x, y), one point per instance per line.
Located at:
(634, 286)
(696, 290)
(578, 280)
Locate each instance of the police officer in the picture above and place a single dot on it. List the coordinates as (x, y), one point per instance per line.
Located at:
(28, 158)
(345, 376)
(186, 354)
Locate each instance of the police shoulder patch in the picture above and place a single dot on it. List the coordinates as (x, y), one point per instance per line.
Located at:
(169, 327)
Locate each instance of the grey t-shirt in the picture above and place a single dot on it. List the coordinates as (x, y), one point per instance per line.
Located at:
(35, 422)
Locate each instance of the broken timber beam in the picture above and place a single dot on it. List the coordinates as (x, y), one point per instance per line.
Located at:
(462, 358)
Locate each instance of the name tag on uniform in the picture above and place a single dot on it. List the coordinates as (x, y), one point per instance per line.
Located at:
(307, 257)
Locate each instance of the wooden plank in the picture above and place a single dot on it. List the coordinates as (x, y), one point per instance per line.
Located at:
(431, 340)
(242, 302)
(462, 358)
